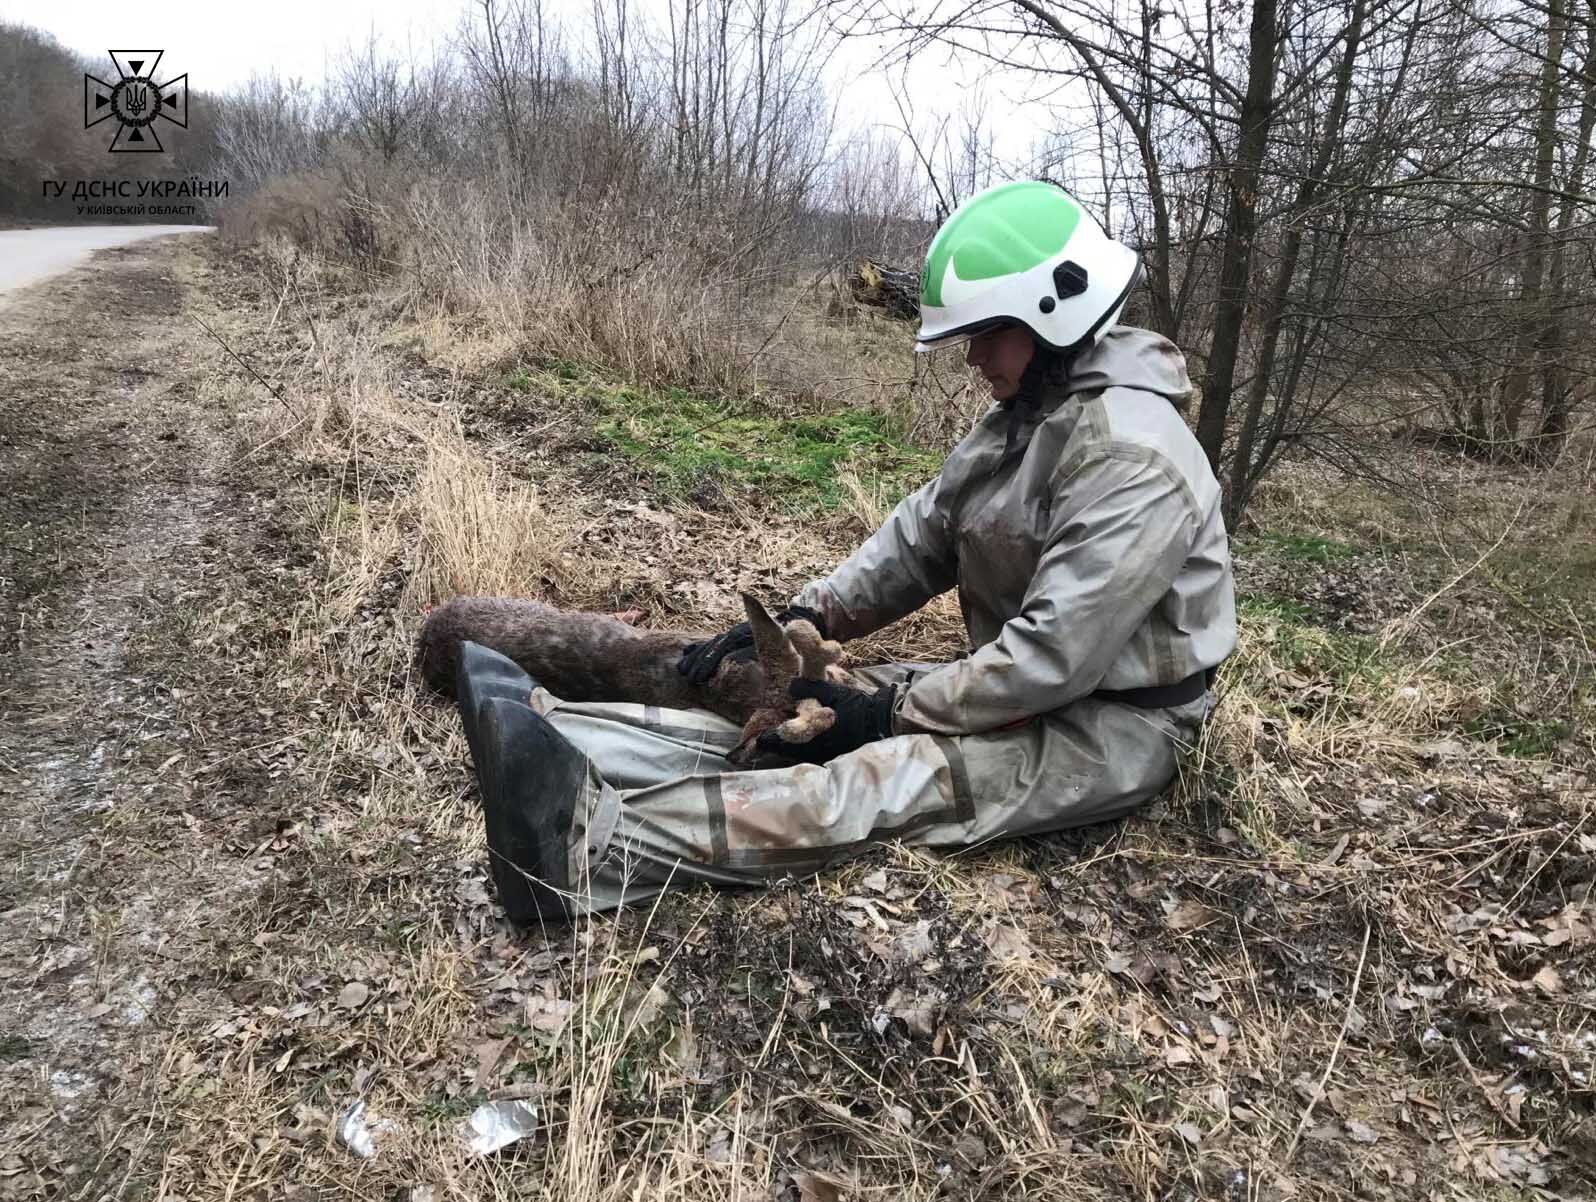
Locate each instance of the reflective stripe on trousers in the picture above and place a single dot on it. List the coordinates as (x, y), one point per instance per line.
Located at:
(670, 809)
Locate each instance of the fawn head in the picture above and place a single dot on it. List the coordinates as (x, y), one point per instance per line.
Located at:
(783, 653)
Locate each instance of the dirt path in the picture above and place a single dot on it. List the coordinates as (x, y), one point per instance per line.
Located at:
(111, 513)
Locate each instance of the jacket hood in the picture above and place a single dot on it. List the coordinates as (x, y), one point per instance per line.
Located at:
(1126, 357)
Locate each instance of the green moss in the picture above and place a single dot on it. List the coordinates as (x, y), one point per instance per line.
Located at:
(1517, 736)
(1272, 606)
(1311, 651)
(519, 380)
(690, 442)
(1305, 547)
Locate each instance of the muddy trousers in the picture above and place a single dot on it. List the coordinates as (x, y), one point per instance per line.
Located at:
(666, 808)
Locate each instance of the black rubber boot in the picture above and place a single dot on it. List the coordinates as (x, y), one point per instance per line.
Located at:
(532, 780)
(485, 674)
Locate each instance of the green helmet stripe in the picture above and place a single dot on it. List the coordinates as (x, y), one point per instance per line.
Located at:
(1005, 231)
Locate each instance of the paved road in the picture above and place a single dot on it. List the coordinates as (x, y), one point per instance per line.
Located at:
(30, 255)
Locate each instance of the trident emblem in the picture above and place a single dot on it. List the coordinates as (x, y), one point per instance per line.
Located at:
(137, 100)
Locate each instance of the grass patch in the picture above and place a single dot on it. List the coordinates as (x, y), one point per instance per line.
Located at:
(1306, 547)
(1295, 645)
(518, 380)
(1273, 607)
(1517, 736)
(692, 443)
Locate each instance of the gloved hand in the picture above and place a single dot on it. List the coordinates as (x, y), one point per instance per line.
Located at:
(700, 661)
(861, 718)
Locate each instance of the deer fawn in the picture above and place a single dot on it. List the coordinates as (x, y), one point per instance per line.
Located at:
(594, 657)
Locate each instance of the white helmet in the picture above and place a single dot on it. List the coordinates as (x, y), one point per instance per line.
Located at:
(1023, 252)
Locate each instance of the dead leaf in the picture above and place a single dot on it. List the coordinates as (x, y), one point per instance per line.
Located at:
(718, 1149)
(1189, 915)
(682, 1050)
(1190, 1132)
(858, 910)
(815, 1189)
(918, 1013)
(876, 882)
(488, 1054)
(914, 943)
(353, 995)
(1361, 1133)
(1009, 943)
(650, 1007)
(547, 1014)
(1177, 1054)
(1548, 981)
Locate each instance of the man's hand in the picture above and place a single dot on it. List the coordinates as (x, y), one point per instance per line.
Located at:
(861, 718)
(700, 661)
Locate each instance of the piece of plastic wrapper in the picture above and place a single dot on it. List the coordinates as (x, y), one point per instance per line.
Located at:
(353, 1132)
(496, 1125)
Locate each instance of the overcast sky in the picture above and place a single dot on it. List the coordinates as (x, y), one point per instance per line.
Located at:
(221, 45)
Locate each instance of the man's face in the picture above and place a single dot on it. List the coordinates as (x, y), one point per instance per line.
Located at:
(1001, 355)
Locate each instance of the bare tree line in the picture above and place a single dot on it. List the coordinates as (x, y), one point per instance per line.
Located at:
(1351, 210)
(1354, 214)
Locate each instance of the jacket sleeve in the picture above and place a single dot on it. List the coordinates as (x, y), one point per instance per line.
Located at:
(1122, 525)
(898, 569)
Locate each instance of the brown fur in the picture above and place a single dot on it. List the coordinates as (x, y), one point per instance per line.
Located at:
(597, 657)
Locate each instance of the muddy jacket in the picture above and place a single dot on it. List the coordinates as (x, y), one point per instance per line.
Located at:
(1087, 546)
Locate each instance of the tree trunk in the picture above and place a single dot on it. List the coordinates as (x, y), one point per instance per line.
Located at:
(1241, 221)
(1241, 465)
(1554, 385)
(1532, 317)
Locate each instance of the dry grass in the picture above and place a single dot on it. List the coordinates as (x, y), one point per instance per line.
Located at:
(648, 296)
(1305, 974)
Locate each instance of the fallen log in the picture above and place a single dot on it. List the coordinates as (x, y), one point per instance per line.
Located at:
(892, 289)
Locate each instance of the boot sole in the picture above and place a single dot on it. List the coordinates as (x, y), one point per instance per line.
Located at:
(532, 779)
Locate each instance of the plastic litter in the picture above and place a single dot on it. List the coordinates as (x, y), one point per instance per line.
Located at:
(353, 1132)
(495, 1125)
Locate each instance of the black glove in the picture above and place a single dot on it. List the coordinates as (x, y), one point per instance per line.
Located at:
(700, 661)
(861, 718)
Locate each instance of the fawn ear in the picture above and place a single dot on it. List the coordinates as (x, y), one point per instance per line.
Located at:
(770, 640)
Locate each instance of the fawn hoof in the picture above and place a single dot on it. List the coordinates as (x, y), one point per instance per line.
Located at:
(532, 781)
(484, 674)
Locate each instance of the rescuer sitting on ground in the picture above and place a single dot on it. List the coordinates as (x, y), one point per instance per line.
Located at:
(1081, 524)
